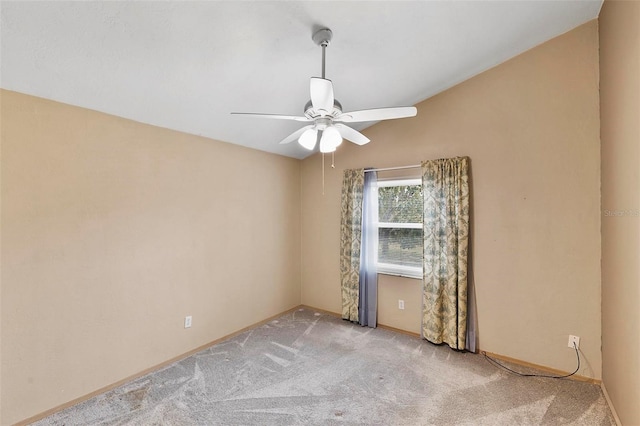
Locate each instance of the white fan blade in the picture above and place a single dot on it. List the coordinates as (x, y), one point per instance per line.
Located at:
(376, 114)
(295, 135)
(352, 134)
(276, 116)
(321, 91)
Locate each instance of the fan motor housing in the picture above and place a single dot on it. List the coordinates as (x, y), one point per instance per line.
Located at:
(312, 113)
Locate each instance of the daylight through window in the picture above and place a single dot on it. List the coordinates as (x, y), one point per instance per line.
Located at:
(400, 227)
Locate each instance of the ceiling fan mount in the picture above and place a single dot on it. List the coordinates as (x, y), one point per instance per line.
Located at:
(326, 114)
(322, 37)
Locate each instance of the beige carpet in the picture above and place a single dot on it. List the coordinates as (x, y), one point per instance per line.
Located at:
(307, 368)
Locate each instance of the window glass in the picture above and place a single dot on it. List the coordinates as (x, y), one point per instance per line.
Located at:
(400, 227)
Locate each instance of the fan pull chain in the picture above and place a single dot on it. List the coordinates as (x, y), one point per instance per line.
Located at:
(323, 173)
(333, 160)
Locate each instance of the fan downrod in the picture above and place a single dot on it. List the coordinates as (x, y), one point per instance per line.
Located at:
(322, 38)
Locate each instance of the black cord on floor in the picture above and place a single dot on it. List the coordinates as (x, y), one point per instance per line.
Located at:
(495, 362)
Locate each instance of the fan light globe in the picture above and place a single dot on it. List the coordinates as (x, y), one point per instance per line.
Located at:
(330, 140)
(308, 139)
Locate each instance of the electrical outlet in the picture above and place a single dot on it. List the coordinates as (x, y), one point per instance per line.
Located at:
(400, 304)
(572, 340)
(187, 321)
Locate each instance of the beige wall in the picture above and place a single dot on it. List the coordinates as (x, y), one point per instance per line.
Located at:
(113, 231)
(620, 133)
(531, 129)
(391, 289)
(1, 127)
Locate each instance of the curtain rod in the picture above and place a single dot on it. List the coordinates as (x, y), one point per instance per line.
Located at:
(393, 168)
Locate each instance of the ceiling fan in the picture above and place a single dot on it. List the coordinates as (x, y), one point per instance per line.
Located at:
(325, 112)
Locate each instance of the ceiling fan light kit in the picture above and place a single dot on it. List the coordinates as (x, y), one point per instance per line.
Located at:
(325, 112)
(308, 138)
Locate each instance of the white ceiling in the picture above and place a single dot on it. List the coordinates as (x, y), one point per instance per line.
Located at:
(187, 65)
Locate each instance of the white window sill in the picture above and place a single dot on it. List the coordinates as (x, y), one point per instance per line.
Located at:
(413, 277)
(399, 271)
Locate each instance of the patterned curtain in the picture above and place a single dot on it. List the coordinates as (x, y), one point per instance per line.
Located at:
(350, 237)
(445, 185)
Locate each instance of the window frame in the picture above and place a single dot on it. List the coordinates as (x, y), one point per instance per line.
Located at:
(392, 268)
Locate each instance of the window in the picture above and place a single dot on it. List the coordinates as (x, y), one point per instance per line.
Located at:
(400, 227)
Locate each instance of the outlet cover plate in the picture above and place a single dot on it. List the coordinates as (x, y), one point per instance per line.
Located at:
(187, 321)
(572, 340)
